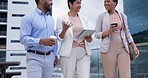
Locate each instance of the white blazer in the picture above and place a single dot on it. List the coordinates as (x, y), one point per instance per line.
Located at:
(103, 24)
(67, 41)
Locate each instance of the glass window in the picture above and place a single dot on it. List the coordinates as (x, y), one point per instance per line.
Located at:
(18, 15)
(19, 2)
(15, 41)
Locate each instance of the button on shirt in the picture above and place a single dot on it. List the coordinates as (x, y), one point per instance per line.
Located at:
(34, 27)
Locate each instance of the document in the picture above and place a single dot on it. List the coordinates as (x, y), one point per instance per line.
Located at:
(85, 32)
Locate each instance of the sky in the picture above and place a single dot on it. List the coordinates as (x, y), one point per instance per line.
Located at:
(89, 8)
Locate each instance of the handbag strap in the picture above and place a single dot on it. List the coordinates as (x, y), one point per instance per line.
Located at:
(124, 27)
(130, 49)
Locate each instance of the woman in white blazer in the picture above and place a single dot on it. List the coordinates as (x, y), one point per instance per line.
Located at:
(74, 53)
(114, 46)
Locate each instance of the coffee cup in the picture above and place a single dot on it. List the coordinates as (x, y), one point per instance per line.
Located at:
(115, 26)
(53, 37)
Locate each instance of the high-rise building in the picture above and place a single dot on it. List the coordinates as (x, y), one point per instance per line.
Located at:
(3, 27)
(11, 12)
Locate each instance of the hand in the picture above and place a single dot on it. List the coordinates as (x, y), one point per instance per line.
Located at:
(55, 61)
(66, 25)
(88, 38)
(135, 49)
(111, 29)
(108, 32)
(47, 41)
(136, 52)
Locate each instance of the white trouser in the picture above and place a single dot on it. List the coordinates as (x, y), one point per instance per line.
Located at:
(78, 62)
(39, 66)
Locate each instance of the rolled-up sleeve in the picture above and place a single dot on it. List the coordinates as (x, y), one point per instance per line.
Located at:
(25, 33)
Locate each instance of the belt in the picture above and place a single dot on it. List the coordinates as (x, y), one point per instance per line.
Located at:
(39, 52)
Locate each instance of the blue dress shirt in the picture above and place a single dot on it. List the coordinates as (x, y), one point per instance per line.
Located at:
(34, 27)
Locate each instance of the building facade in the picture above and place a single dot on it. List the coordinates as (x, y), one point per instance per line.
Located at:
(3, 27)
(11, 12)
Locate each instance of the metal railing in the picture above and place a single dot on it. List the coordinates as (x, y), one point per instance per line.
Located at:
(2, 46)
(2, 33)
(3, 19)
(3, 5)
(138, 66)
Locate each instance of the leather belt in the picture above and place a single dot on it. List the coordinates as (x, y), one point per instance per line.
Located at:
(39, 52)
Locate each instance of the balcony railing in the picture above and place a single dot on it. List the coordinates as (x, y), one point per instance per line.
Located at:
(3, 19)
(3, 5)
(2, 33)
(2, 46)
(138, 66)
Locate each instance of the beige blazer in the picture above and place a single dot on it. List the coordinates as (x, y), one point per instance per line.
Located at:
(103, 24)
(67, 41)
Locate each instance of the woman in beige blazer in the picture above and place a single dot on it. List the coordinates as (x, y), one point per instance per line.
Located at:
(114, 46)
(74, 53)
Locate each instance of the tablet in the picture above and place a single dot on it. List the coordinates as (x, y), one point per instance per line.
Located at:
(84, 33)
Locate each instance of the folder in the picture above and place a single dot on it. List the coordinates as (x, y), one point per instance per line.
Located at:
(85, 32)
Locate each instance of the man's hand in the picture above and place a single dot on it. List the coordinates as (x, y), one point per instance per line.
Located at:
(55, 61)
(47, 41)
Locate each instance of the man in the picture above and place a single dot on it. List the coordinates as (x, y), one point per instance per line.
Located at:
(35, 32)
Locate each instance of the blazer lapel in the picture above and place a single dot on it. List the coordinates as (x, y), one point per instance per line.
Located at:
(84, 23)
(106, 20)
(121, 19)
(70, 28)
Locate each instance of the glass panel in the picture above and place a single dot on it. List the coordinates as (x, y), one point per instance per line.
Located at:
(138, 66)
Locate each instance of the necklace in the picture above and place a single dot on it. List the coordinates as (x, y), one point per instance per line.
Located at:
(114, 17)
